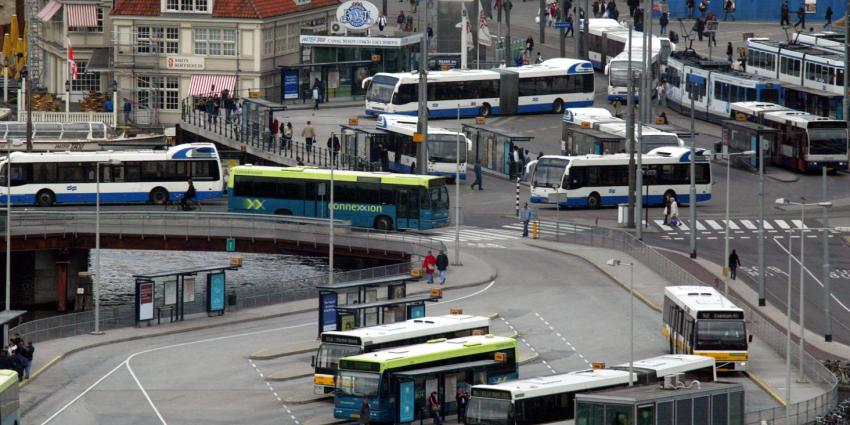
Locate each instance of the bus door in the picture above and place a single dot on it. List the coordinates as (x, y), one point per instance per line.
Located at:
(407, 208)
(315, 199)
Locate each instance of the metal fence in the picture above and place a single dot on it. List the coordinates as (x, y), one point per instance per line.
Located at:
(802, 412)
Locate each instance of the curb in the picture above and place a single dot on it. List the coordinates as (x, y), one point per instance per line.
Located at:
(528, 359)
(308, 401)
(288, 378)
(766, 388)
(256, 356)
(41, 369)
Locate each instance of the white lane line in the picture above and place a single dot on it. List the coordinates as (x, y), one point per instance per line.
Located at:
(276, 396)
(797, 260)
(144, 392)
(749, 224)
(530, 347)
(714, 225)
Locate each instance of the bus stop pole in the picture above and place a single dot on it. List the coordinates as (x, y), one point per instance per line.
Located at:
(331, 228)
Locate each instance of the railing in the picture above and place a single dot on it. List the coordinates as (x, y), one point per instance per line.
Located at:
(801, 412)
(40, 116)
(112, 317)
(259, 137)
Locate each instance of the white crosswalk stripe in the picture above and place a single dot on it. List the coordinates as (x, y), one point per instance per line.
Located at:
(731, 224)
(799, 224)
(749, 224)
(740, 227)
(700, 226)
(472, 234)
(767, 225)
(714, 225)
(782, 224)
(664, 227)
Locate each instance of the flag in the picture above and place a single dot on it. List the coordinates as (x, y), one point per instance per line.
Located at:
(483, 30)
(72, 63)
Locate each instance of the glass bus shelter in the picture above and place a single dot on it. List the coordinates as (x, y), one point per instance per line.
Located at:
(740, 136)
(493, 147)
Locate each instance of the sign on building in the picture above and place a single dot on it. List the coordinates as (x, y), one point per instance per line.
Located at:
(357, 14)
(192, 63)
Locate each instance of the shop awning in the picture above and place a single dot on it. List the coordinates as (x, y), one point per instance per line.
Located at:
(211, 84)
(52, 7)
(82, 15)
(99, 61)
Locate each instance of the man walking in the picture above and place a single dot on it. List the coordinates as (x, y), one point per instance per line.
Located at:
(461, 398)
(828, 16)
(477, 170)
(434, 404)
(309, 135)
(801, 18)
(734, 262)
(128, 108)
(442, 265)
(429, 265)
(525, 218)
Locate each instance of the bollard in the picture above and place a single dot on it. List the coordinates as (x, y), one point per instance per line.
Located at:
(557, 230)
(534, 230)
(517, 196)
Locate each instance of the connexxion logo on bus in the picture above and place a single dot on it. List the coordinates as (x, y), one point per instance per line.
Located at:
(359, 208)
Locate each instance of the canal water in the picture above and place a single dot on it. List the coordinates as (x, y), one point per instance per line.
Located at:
(258, 270)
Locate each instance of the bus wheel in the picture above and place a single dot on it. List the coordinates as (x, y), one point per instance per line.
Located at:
(45, 198)
(383, 223)
(558, 106)
(159, 196)
(283, 212)
(669, 195)
(484, 111)
(593, 201)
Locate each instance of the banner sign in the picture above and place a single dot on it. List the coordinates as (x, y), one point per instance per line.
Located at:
(323, 40)
(215, 292)
(144, 300)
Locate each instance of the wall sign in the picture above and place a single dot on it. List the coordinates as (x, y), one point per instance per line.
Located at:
(144, 300)
(357, 14)
(192, 63)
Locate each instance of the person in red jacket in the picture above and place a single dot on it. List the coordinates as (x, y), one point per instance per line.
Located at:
(429, 265)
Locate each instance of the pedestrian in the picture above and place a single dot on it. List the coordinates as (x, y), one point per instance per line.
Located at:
(128, 108)
(525, 57)
(309, 135)
(729, 10)
(539, 59)
(275, 133)
(477, 170)
(382, 23)
(210, 109)
(429, 265)
(216, 109)
(734, 262)
(525, 218)
(315, 98)
(364, 412)
(229, 106)
(400, 20)
(638, 20)
(729, 51)
(828, 16)
(662, 117)
(539, 155)
(712, 39)
(25, 358)
(699, 28)
(461, 398)
(108, 106)
(442, 265)
(570, 32)
(674, 212)
(287, 136)
(742, 60)
(784, 13)
(633, 5)
(614, 13)
(690, 4)
(333, 147)
(666, 211)
(801, 18)
(237, 113)
(299, 161)
(663, 21)
(409, 26)
(659, 93)
(434, 404)
(597, 8)
(618, 108)
(529, 43)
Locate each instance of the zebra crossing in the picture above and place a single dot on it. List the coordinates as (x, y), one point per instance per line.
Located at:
(507, 232)
(738, 228)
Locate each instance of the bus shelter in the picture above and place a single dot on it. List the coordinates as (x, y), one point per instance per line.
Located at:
(740, 136)
(366, 143)
(494, 146)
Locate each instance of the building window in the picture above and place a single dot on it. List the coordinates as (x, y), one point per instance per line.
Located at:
(268, 41)
(201, 6)
(157, 40)
(158, 92)
(85, 81)
(215, 42)
(98, 28)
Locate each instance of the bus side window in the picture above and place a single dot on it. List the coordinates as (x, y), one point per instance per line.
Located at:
(424, 199)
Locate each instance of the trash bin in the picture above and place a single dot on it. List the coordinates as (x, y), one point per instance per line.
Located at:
(231, 299)
(623, 215)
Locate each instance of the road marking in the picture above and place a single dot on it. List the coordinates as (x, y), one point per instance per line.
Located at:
(562, 338)
(274, 393)
(782, 224)
(660, 224)
(749, 224)
(714, 225)
(767, 225)
(530, 347)
(799, 224)
(732, 225)
(785, 250)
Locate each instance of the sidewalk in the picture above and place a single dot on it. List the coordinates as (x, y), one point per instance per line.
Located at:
(768, 371)
(475, 271)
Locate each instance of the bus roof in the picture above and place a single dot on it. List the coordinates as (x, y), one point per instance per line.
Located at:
(310, 173)
(433, 350)
(578, 116)
(694, 299)
(180, 152)
(548, 66)
(655, 156)
(412, 328)
(800, 119)
(567, 382)
(7, 379)
(671, 364)
(406, 124)
(754, 108)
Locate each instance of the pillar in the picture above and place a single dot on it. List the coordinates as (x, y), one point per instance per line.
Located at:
(62, 285)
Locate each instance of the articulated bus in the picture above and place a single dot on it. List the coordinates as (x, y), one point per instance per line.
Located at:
(550, 86)
(155, 176)
(397, 381)
(338, 344)
(700, 320)
(10, 402)
(594, 181)
(443, 147)
(608, 38)
(805, 142)
(380, 200)
(549, 399)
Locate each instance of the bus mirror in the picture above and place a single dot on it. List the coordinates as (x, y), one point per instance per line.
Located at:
(313, 361)
(750, 339)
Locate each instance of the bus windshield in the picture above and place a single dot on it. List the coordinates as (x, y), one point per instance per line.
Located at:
(827, 141)
(439, 198)
(329, 354)
(549, 172)
(721, 335)
(652, 141)
(382, 89)
(444, 148)
(357, 383)
(488, 411)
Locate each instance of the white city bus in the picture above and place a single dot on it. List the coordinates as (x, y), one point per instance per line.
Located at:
(700, 320)
(549, 399)
(594, 181)
(338, 344)
(547, 87)
(442, 147)
(618, 67)
(155, 176)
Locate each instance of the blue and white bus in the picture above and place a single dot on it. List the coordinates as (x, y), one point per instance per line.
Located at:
(550, 86)
(156, 176)
(594, 181)
(443, 147)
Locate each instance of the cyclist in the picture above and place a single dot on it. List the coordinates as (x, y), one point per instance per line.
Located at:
(190, 196)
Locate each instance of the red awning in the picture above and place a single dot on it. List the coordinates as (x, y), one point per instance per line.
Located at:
(52, 7)
(211, 84)
(82, 15)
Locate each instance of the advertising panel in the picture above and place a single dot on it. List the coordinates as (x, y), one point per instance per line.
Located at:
(144, 300)
(215, 292)
(327, 305)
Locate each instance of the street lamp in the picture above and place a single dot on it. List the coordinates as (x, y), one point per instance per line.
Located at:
(457, 188)
(8, 299)
(729, 156)
(96, 282)
(615, 263)
(788, 337)
(803, 205)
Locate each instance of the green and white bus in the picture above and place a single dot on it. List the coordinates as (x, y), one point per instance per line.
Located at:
(397, 382)
(380, 200)
(10, 402)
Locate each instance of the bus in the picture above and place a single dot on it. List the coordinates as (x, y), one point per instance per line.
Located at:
(594, 181)
(805, 142)
(550, 86)
(338, 344)
(608, 38)
(397, 382)
(548, 399)
(156, 176)
(383, 201)
(618, 67)
(10, 401)
(699, 320)
(443, 147)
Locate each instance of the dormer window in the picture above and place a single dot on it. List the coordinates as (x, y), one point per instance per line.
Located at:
(190, 6)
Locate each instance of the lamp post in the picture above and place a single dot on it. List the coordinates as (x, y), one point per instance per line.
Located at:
(803, 205)
(7, 301)
(331, 216)
(96, 282)
(788, 338)
(729, 156)
(615, 263)
(67, 100)
(457, 189)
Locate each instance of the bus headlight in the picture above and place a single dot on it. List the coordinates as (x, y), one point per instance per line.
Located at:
(743, 364)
